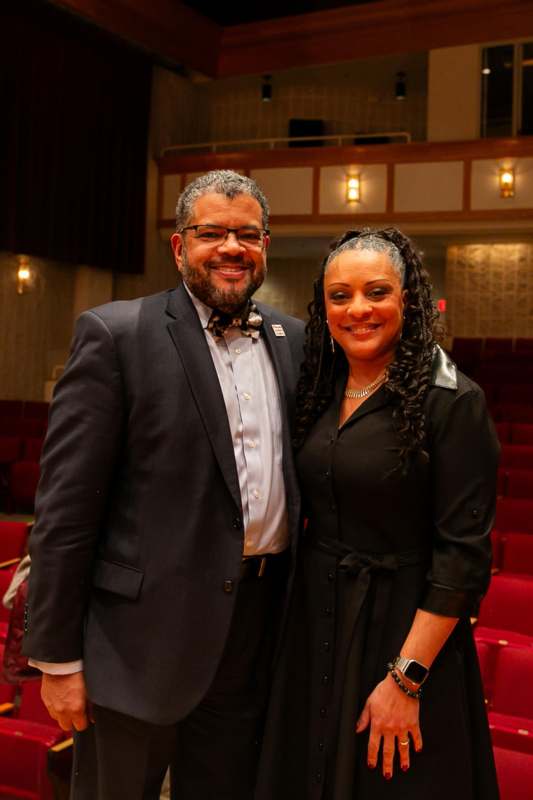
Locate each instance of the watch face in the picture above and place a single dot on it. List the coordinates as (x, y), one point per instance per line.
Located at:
(415, 672)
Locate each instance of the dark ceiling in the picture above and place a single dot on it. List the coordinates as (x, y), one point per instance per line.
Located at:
(233, 14)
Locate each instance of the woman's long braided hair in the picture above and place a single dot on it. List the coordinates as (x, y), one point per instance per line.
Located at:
(409, 374)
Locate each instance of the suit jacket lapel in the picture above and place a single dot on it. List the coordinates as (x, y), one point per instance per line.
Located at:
(189, 339)
(280, 353)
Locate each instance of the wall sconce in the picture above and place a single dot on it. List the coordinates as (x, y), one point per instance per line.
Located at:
(24, 275)
(353, 188)
(507, 182)
(400, 87)
(266, 89)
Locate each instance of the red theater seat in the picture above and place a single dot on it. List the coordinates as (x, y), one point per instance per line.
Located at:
(35, 410)
(505, 613)
(501, 484)
(13, 537)
(515, 774)
(514, 514)
(503, 429)
(514, 412)
(10, 448)
(497, 345)
(23, 480)
(521, 433)
(7, 690)
(35, 753)
(511, 714)
(517, 456)
(11, 408)
(517, 553)
(32, 448)
(519, 483)
(523, 345)
(495, 540)
(6, 576)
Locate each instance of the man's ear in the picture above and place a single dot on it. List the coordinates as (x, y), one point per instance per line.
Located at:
(176, 242)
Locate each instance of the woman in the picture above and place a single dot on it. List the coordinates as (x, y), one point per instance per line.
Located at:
(378, 692)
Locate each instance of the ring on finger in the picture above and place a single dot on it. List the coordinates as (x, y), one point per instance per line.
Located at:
(404, 744)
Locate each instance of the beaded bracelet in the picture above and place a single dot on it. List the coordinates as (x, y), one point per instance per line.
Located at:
(414, 694)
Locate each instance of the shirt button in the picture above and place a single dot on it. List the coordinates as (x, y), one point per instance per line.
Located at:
(323, 713)
(327, 612)
(475, 512)
(321, 745)
(256, 494)
(228, 586)
(247, 396)
(331, 576)
(238, 350)
(325, 680)
(236, 523)
(251, 443)
(327, 473)
(318, 777)
(325, 646)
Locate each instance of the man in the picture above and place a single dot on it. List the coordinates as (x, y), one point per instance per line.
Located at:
(165, 513)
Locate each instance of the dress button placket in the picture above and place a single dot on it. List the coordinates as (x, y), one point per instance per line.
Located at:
(324, 669)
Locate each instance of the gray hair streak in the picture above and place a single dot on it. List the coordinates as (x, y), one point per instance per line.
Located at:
(219, 181)
(376, 244)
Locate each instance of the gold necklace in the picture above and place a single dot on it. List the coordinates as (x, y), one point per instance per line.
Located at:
(357, 394)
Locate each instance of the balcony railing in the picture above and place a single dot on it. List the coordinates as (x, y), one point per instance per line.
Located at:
(332, 140)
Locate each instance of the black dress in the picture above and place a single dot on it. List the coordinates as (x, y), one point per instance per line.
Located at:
(378, 546)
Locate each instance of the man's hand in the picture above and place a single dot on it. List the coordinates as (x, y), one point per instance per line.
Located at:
(65, 697)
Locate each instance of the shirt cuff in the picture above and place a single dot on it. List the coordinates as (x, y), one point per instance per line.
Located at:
(62, 668)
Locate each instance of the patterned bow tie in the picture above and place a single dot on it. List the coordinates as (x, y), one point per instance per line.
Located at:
(249, 322)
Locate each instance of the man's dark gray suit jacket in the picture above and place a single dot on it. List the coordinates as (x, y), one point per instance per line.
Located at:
(139, 527)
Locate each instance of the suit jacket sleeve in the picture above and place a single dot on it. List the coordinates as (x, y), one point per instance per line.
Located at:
(79, 455)
(463, 451)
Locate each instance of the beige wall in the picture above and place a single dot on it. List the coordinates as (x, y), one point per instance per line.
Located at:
(289, 285)
(454, 92)
(35, 327)
(349, 97)
(490, 290)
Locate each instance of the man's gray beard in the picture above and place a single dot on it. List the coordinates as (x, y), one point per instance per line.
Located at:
(227, 301)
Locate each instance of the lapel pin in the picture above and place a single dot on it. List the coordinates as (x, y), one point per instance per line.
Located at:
(278, 329)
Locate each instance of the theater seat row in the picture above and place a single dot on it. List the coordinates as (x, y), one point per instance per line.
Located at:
(512, 553)
(506, 673)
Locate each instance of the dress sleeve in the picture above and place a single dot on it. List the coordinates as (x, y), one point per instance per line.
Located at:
(464, 452)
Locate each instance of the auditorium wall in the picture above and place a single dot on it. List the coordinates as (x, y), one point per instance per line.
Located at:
(36, 326)
(490, 289)
(350, 97)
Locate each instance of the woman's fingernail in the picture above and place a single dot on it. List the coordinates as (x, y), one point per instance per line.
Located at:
(405, 767)
(370, 765)
(388, 776)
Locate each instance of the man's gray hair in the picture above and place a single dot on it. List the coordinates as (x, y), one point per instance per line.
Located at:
(375, 243)
(219, 181)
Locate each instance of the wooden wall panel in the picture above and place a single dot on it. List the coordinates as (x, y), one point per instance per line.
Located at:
(362, 31)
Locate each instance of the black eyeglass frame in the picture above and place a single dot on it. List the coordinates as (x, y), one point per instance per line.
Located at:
(263, 231)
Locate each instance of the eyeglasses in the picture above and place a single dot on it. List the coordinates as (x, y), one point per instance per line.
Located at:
(217, 234)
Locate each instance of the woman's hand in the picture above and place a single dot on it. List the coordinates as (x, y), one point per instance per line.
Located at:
(393, 718)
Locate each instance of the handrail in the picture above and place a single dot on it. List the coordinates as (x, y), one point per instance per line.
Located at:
(336, 139)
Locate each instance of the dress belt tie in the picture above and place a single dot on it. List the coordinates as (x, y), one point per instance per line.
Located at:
(358, 569)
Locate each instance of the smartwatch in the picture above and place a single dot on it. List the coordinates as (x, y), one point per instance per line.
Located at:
(412, 669)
